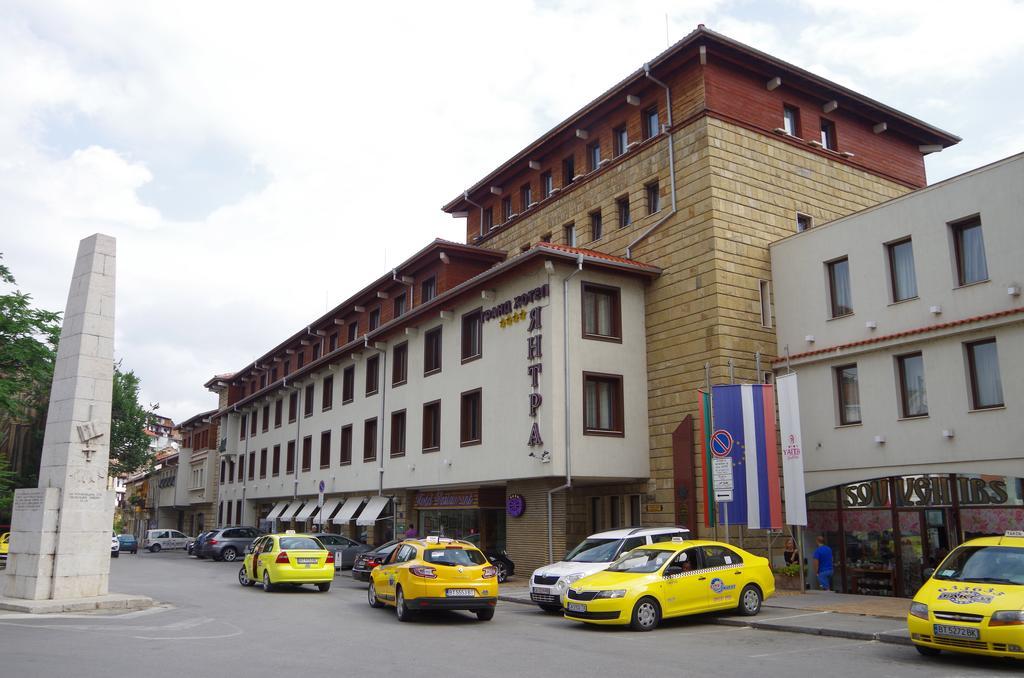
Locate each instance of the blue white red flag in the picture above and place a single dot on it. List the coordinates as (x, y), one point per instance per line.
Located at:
(747, 412)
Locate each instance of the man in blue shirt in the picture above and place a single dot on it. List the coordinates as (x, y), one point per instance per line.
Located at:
(823, 564)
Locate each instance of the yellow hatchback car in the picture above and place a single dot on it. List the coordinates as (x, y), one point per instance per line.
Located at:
(295, 559)
(974, 601)
(5, 544)
(671, 579)
(435, 574)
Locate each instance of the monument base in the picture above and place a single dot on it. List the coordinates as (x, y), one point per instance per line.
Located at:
(112, 602)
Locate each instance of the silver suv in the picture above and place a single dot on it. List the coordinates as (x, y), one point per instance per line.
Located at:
(227, 543)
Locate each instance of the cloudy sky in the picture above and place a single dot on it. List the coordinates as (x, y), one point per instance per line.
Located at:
(258, 162)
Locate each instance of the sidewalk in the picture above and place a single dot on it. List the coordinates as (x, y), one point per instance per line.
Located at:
(815, 613)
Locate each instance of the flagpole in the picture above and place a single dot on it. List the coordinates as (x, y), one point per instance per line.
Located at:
(711, 504)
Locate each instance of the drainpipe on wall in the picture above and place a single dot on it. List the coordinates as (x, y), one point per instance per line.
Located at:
(671, 163)
(381, 381)
(298, 435)
(568, 409)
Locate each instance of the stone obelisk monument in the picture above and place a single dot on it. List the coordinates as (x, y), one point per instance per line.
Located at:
(60, 532)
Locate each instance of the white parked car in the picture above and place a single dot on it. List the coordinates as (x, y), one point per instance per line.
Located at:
(115, 546)
(595, 553)
(158, 540)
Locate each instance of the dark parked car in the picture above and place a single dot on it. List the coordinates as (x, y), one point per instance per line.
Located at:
(227, 543)
(129, 544)
(371, 559)
(344, 549)
(498, 558)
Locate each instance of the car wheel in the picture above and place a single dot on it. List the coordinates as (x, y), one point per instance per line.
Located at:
(200, 557)
(229, 554)
(551, 608)
(243, 577)
(401, 611)
(502, 571)
(485, 615)
(114, 554)
(750, 601)
(646, 615)
(267, 586)
(371, 596)
(155, 548)
(927, 651)
(325, 587)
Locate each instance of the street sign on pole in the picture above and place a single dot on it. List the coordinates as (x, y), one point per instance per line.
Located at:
(723, 496)
(721, 476)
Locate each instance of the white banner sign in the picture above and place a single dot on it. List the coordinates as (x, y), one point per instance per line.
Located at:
(721, 473)
(792, 449)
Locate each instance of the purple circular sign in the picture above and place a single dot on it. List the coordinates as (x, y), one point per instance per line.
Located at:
(515, 505)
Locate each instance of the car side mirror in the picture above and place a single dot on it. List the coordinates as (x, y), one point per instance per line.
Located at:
(928, 572)
(673, 570)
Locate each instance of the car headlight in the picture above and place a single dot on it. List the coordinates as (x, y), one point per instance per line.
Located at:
(617, 593)
(1007, 618)
(919, 610)
(563, 584)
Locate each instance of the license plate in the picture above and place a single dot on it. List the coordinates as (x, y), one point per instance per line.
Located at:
(576, 607)
(453, 593)
(949, 631)
(306, 561)
(545, 590)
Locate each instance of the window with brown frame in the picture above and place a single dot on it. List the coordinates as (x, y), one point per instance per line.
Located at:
(969, 247)
(370, 439)
(289, 462)
(316, 350)
(596, 225)
(300, 357)
(353, 330)
(828, 135)
(432, 426)
(902, 277)
(346, 446)
(488, 219)
(653, 192)
(263, 463)
(839, 292)
(506, 208)
(525, 197)
(471, 418)
(348, 384)
(398, 433)
(568, 170)
(652, 126)
(278, 407)
(472, 335)
(372, 375)
(325, 449)
(223, 470)
(332, 343)
(569, 232)
(913, 394)
(602, 312)
(266, 418)
(374, 318)
(241, 467)
(241, 428)
(848, 392)
(293, 406)
(432, 351)
(620, 137)
(328, 394)
(399, 305)
(307, 453)
(275, 467)
(983, 366)
(252, 423)
(547, 184)
(252, 465)
(593, 156)
(307, 405)
(791, 120)
(622, 209)
(602, 404)
(400, 364)
(428, 289)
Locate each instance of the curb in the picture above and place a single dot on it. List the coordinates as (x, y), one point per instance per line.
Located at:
(510, 599)
(883, 637)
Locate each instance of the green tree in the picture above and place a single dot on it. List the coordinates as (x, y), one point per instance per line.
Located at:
(129, 444)
(7, 482)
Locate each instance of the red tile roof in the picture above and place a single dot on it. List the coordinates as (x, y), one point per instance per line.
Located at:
(594, 254)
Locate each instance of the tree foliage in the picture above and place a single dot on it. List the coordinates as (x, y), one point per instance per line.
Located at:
(129, 444)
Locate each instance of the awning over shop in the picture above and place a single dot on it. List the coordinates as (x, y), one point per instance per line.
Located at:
(346, 512)
(307, 511)
(279, 508)
(372, 511)
(293, 508)
(325, 513)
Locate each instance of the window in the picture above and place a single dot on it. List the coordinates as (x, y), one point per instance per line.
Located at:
(803, 222)
(307, 405)
(901, 270)
(969, 245)
(273, 374)
(307, 453)
(316, 350)
(547, 184)
(828, 134)
(348, 384)
(399, 305)
(263, 463)
(398, 433)
(488, 219)
(353, 330)
(372, 374)
(568, 170)
(616, 518)
(622, 207)
(241, 467)
(602, 404)
(223, 470)
(278, 407)
(546, 237)
(293, 406)
(593, 157)
(569, 231)
(635, 516)
(472, 335)
(432, 351)
(621, 139)
(913, 397)
(432, 426)
(428, 289)
(791, 120)
(653, 192)
(400, 364)
(241, 428)
(596, 514)
(263, 381)
(289, 461)
(332, 342)
(471, 418)
(252, 423)
(983, 365)
(596, 227)
(252, 465)
(275, 467)
(374, 318)
(266, 418)
(525, 198)
(602, 317)
(328, 394)
(325, 449)
(370, 439)
(346, 445)
(652, 127)
(849, 394)
(764, 289)
(506, 208)
(839, 287)
(300, 358)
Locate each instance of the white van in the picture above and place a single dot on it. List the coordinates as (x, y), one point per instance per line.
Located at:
(157, 540)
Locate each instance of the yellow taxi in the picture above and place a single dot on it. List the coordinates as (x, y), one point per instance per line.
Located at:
(671, 579)
(974, 601)
(435, 574)
(5, 544)
(294, 559)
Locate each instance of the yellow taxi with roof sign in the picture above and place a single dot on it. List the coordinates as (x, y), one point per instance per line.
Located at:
(287, 559)
(974, 601)
(671, 579)
(435, 574)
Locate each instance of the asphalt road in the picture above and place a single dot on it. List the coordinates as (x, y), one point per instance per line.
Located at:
(209, 625)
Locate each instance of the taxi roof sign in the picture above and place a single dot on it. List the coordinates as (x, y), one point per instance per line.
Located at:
(1014, 533)
(289, 531)
(678, 540)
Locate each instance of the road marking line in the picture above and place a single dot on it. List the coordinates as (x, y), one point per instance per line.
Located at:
(814, 649)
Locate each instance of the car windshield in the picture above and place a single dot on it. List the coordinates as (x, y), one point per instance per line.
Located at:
(454, 556)
(594, 551)
(984, 565)
(300, 543)
(641, 561)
